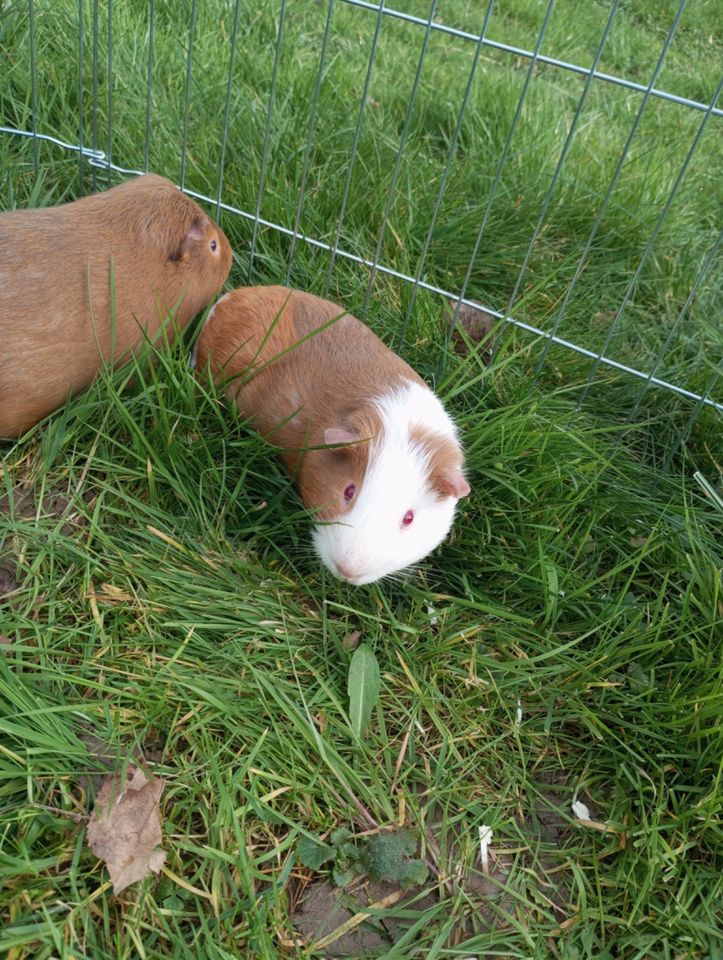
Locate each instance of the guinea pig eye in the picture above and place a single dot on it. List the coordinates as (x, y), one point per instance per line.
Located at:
(349, 492)
(213, 245)
(408, 518)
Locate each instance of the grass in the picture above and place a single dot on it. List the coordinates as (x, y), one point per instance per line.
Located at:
(564, 643)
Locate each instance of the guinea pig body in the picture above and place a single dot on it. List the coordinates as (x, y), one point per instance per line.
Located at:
(370, 445)
(87, 282)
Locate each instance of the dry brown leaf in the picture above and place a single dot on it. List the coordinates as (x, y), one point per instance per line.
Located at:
(125, 828)
(352, 641)
(476, 323)
(115, 593)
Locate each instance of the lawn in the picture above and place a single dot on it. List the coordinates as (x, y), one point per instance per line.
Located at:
(159, 597)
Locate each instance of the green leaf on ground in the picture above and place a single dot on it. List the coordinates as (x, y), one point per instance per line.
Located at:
(313, 853)
(362, 687)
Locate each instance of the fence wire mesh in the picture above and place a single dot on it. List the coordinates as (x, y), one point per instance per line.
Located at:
(277, 108)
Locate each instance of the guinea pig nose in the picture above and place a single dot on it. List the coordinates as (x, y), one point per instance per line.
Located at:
(346, 571)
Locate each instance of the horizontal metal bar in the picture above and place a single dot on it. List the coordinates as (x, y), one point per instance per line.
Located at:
(541, 58)
(97, 159)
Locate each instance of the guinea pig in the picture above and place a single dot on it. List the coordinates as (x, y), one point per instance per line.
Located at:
(85, 283)
(371, 447)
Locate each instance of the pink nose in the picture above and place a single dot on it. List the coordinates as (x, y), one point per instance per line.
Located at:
(346, 570)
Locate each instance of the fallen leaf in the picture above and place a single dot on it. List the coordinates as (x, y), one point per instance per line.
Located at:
(362, 687)
(312, 853)
(477, 325)
(352, 641)
(125, 828)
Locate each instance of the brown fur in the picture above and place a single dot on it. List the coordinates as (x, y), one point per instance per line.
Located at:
(326, 382)
(56, 323)
(445, 461)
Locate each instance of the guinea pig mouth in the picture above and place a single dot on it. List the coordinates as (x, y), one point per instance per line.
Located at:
(358, 580)
(350, 574)
(347, 571)
(351, 570)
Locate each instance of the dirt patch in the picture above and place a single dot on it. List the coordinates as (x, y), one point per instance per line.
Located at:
(549, 807)
(526, 869)
(23, 504)
(324, 908)
(453, 869)
(488, 887)
(8, 583)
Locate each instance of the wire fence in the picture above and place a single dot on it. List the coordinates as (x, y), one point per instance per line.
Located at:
(96, 147)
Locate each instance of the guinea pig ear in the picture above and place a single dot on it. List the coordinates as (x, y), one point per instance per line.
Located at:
(194, 234)
(336, 435)
(450, 482)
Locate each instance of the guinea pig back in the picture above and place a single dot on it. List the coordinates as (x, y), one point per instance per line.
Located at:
(373, 451)
(86, 282)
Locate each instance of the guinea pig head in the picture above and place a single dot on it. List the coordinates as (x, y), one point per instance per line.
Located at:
(167, 229)
(202, 254)
(387, 491)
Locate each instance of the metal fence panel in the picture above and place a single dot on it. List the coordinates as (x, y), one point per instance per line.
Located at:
(101, 112)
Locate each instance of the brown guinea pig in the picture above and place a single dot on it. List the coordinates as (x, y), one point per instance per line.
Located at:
(386, 485)
(87, 282)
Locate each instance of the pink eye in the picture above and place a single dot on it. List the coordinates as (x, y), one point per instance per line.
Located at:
(408, 518)
(349, 492)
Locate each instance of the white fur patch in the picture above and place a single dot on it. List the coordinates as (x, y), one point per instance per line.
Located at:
(371, 541)
(193, 355)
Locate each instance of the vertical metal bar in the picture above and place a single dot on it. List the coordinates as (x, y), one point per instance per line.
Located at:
(81, 189)
(149, 84)
(187, 102)
(445, 175)
(702, 273)
(400, 153)
(526, 54)
(110, 92)
(563, 156)
(34, 89)
(267, 137)
(354, 147)
(309, 140)
(94, 123)
(694, 414)
(498, 174)
(611, 187)
(227, 110)
(650, 244)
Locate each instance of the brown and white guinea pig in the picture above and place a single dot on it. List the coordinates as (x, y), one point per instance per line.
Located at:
(62, 316)
(386, 496)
